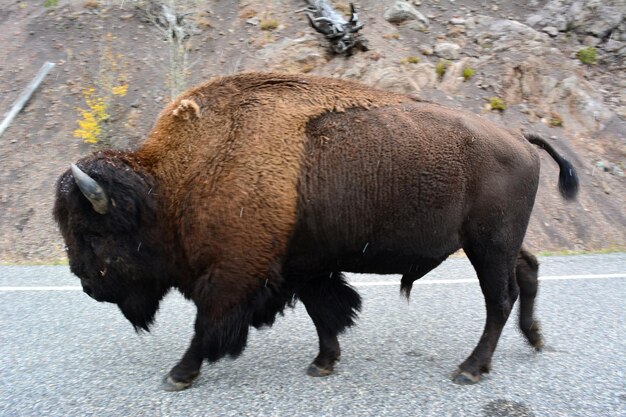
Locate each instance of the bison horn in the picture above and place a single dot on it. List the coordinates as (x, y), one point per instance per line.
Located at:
(92, 190)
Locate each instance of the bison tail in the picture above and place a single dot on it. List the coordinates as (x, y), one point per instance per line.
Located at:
(568, 179)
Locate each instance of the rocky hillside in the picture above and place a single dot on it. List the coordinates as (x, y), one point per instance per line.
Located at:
(557, 68)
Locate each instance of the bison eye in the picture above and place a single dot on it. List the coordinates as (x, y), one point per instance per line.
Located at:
(94, 240)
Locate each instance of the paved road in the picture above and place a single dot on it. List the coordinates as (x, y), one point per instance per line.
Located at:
(62, 354)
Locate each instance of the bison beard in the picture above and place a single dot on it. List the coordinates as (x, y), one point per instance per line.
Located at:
(256, 190)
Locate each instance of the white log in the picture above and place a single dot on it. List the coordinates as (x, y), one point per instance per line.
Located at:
(25, 95)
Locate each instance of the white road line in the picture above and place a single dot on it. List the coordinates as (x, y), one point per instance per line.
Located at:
(42, 288)
(354, 283)
(470, 280)
(589, 276)
(395, 283)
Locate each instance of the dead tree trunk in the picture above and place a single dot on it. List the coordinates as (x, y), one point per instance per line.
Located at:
(23, 98)
(343, 35)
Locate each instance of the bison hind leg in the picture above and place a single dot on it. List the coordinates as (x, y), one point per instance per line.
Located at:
(333, 305)
(417, 271)
(526, 271)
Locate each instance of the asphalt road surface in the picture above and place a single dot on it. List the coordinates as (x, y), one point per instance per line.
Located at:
(63, 354)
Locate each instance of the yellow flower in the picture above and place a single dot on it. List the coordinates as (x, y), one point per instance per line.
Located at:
(90, 127)
(120, 90)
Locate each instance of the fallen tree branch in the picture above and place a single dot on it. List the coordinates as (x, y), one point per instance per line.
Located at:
(342, 34)
(25, 95)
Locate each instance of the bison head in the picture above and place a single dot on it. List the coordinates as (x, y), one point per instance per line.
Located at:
(106, 210)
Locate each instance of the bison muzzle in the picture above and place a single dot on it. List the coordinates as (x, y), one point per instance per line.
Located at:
(257, 190)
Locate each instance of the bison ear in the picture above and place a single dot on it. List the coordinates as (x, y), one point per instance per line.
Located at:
(91, 190)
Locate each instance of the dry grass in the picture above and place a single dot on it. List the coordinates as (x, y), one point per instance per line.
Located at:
(268, 23)
(91, 4)
(410, 60)
(389, 36)
(247, 13)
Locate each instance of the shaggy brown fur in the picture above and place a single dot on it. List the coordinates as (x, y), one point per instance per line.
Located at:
(257, 189)
(242, 159)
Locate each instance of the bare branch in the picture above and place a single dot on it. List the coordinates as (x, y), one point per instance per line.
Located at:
(25, 95)
(342, 34)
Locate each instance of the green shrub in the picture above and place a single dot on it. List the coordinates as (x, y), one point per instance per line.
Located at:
(555, 120)
(497, 103)
(442, 67)
(468, 73)
(587, 55)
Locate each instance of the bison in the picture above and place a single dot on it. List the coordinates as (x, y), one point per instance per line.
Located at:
(256, 190)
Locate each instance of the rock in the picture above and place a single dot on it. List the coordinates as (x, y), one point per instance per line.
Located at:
(470, 23)
(447, 50)
(357, 71)
(390, 79)
(604, 22)
(426, 50)
(591, 41)
(551, 30)
(457, 20)
(253, 21)
(619, 34)
(399, 78)
(456, 31)
(582, 103)
(614, 46)
(504, 33)
(523, 108)
(402, 11)
(592, 17)
(292, 55)
(604, 166)
(417, 26)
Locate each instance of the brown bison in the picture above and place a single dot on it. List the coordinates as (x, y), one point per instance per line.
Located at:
(256, 190)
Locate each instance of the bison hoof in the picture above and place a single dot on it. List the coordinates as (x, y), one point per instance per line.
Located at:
(317, 371)
(537, 343)
(169, 384)
(465, 378)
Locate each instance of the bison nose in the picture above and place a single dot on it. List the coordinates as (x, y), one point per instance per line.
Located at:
(87, 290)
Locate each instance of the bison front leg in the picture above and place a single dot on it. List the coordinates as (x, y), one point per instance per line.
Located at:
(333, 306)
(187, 369)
